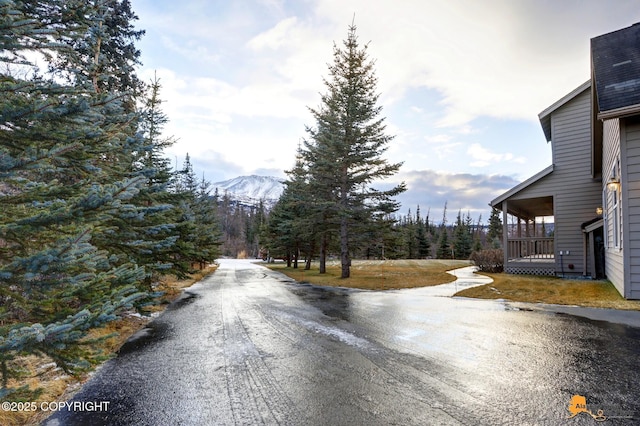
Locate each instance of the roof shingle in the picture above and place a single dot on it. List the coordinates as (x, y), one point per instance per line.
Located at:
(616, 68)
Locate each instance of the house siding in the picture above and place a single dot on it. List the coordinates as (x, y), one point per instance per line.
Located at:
(576, 193)
(614, 259)
(630, 142)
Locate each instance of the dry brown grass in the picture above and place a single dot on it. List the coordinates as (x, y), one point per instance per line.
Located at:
(396, 274)
(42, 373)
(535, 289)
(377, 274)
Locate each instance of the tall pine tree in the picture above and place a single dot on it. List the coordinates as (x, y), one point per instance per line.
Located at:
(345, 149)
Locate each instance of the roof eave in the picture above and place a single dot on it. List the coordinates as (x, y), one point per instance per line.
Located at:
(533, 179)
(619, 112)
(545, 116)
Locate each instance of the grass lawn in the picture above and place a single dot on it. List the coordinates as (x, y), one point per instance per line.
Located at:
(536, 289)
(377, 274)
(396, 274)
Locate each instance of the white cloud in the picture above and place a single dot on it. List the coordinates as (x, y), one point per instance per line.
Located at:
(431, 189)
(494, 58)
(483, 157)
(438, 139)
(276, 36)
(238, 76)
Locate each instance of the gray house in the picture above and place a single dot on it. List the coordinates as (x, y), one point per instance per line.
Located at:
(615, 72)
(567, 193)
(592, 189)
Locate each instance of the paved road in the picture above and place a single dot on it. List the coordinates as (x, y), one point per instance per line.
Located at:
(247, 346)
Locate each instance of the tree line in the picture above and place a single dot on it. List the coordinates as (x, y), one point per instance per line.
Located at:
(421, 238)
(409, 236)
(92, 213)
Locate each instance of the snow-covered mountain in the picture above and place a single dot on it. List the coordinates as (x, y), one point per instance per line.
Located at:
(251, 189)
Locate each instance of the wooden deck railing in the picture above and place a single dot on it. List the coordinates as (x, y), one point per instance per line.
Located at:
(530, 248)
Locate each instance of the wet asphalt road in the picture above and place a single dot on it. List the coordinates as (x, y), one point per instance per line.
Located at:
(248, 346)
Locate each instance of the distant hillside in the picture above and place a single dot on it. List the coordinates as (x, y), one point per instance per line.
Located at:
(251, 189)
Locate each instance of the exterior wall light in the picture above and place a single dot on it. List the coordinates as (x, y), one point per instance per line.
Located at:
(613, 184)
(599, 211)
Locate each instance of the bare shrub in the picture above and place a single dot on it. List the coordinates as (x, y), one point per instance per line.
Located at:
(491, 260)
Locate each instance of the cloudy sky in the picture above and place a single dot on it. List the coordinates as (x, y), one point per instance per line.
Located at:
(461, 83)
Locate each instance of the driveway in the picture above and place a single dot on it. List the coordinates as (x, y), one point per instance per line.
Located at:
(249, 346)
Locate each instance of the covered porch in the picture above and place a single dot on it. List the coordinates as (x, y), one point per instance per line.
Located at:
(528, 236)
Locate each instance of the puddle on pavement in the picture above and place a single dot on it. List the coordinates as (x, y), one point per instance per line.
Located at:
(332, 302)
(186, 298)
(155, 330)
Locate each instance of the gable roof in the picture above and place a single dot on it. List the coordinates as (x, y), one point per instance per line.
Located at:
(615, 59)
(545, 116)
(522, 185)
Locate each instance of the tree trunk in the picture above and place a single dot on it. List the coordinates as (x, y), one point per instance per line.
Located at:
(296, 253)
(312, 248)
(323, 254)
(344, 248)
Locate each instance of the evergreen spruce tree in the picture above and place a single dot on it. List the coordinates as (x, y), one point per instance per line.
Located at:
(424, 247)
(292, 227)
(382, 240)
(477, 236)
(444, 248)
(494, 235)
(145, 231)
(254, 226)
(307, 221)
(185, 187)
(392, 241)
(283, 234)
(346, 147)
(207, 231)
(230, 229)
(462, 239)
(101, 45)
(410, 236)
(314, 185)
(58, 195)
